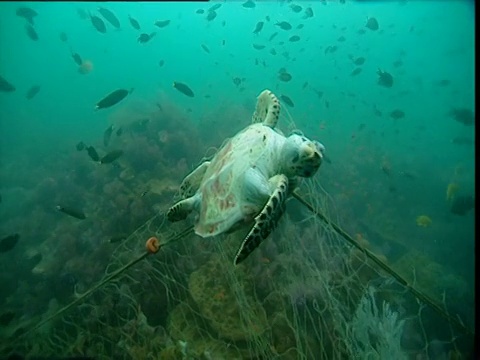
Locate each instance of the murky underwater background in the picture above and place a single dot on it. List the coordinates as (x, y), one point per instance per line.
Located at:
(393, 105)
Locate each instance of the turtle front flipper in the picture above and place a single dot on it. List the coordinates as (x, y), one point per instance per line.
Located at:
(266, 220)
(192, 181)
(181, 209)
(267, 110)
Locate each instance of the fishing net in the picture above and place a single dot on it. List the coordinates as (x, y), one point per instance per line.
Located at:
(304, 293)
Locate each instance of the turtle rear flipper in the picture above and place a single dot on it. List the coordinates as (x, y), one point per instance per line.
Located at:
(181, 209)
(192, 181)
(266, 220)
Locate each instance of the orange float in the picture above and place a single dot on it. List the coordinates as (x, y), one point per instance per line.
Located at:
(152, 245)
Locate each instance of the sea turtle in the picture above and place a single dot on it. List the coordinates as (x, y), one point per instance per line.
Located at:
(248, 179)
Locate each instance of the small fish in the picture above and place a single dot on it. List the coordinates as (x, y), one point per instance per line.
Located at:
(82, 14)
(463, 115)
(98, 24)
(214, 7)
(110, 17)
(144, 193)
(134, 23)
(294, 38)
(258, 27)
(273, 51)
(341, 39)
(113, 98)
(359, 61)
(296, 8)
(308, 13)
(117, 238)
(161, 63)
(6, 318)
(356, 71)
(107, 135)
(143, 38)
(200, 11)
(272, 36)
(78, 214)
(372, 24)
(32, 92)
(32, 34)
(283, 75)
(211, 15)
(249, 4)
(9, 242)
(205, 48)
(183, 88)
(80, 146)
(93, 153)
(78, 60)
(162, 23)
(237, 81)
(397, 114)
(63, 37)
(111, 156)
(284, 25)
(119, 131)
(5, 86)
(258, 47)
(287, 100)
(384, 79)
(27, 13)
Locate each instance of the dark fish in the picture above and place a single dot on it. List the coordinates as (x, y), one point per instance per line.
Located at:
(308, 13)
(98, 24)
(211, 15)
(26, 13)
(111, 156)
(63, 37)
(372, 24)
(162, 23)
(341, 39)
(143, 38)
(9, 242)
(78, 60)
(258, 27)
(287, 100)
(183, 88)
(267, 18)
(284, 25)
(80, 146)
(32, 92)
(5, 86)
(204, 47)
(113, 98)
(237, 81)
(294, 38)
(119, 131)
(6, 318)
(258, 47)
(200, 11)
(144, 193)
(284, 76)
(296, 8)
(463, 115)
(272, 36)
(71, 211)
(356, 71)
(117, 238)
(385, 79)
(93, 153)
(461, 205)
(107, 135)
(134, 23)
(110, 17)
(32, 34)
(214, 7)
(249, 4)
(463, 140)
(273, 51)
(300, 26)
(397, 114)
(359, 61)
(161, 63)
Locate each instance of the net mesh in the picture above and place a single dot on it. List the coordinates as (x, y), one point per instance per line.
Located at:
(305, 293)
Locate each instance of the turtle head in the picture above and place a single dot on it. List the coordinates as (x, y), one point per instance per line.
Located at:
(302, 156)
